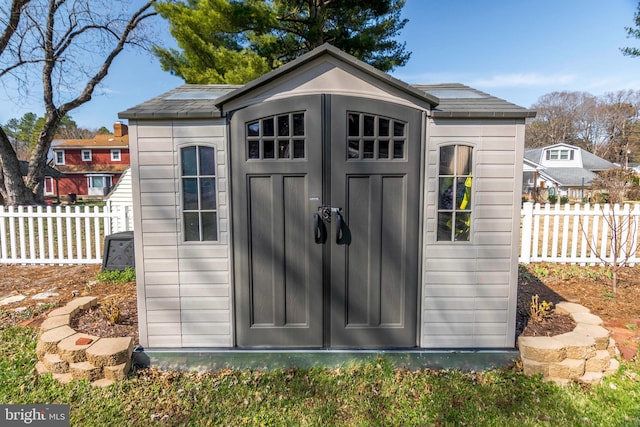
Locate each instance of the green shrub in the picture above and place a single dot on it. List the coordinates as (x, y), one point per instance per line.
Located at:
(111, 312)
(117, 276)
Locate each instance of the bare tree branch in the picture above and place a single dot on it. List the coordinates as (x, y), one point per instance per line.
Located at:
(12, 24)
(74, 44)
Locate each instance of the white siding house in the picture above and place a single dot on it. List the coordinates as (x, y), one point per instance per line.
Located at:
(566, 170)
(121, 197)
(326, 206)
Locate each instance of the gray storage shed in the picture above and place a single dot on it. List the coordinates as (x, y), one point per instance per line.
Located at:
(326, 205)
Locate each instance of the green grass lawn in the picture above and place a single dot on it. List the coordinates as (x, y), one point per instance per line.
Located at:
(373, 393)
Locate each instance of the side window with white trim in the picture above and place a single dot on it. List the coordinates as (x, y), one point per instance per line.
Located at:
(59, 157)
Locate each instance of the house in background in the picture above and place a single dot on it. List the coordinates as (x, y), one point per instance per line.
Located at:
(91, 167)
(536, 184)
(52, 176)
(563, 170)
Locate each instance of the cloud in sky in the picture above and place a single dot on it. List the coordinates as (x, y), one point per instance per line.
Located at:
(523, 79)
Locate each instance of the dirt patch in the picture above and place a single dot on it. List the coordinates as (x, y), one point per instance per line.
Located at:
(62, 283)
(588, 286)
(552, 325)
(95, 321)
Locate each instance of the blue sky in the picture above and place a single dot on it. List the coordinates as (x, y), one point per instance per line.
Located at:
(514, 49)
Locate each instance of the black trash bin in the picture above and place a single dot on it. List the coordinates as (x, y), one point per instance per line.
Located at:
(72, 198)
(119, 251)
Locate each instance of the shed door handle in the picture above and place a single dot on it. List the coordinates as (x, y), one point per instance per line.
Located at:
(339, 222)
(319, 230)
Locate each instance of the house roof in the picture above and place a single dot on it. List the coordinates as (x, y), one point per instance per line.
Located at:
(589, 160)
(48, 171)
(105, 168)
(571, 177)
(207, 101)
(594, 163)
(98, 141)
(533, 165)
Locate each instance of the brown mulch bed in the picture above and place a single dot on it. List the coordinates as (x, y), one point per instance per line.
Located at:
(95, 321)
(552, 325)
(584, 285)
(68, 281)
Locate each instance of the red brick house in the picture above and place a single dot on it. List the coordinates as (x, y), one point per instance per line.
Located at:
(91, 167)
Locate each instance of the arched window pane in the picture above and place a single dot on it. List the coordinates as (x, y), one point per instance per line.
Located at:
(455, 190)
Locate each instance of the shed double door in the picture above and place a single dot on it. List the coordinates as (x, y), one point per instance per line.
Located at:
(325, 193)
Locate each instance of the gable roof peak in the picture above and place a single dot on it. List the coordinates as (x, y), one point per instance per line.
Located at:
(562, 144)
(318, 52)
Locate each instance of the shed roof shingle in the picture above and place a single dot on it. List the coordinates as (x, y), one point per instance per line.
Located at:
(454, 103)
(450, 100)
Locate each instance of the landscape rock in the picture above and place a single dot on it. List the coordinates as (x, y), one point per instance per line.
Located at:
(85, 371)
(587, 318)
(570, 308)
(599, 363)
(45, 295)
(598, 333)
(55, 322)
(55, 364)
(110, 351)
(542, 349)
(49, 340)
(12, 299)
(72, 352)
(578, 346)
(591, 378)
(567, 369)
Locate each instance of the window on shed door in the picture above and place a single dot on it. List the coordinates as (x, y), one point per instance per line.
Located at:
(280, 137)
(454, 193)
(199, 201)
(372, 137)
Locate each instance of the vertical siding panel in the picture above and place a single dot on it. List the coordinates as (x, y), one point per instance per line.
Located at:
(184, 288)
(469, 288)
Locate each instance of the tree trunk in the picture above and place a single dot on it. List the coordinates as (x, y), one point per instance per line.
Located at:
(15, 192)
(38, 161)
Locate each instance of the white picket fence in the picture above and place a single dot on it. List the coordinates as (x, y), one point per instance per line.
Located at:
(580, 234)
(58, 235)
(572, 234)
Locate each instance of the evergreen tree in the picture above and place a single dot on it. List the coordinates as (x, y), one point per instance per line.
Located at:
(227, 41)
(633, 32)
(24, 132)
